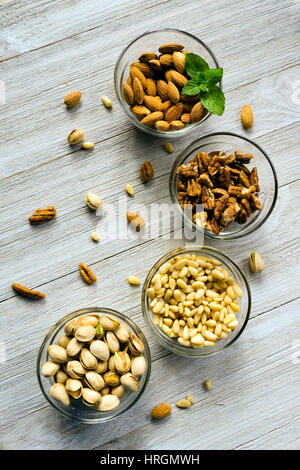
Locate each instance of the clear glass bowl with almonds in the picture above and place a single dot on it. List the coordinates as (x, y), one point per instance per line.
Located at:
(149, 75)
(224, 207)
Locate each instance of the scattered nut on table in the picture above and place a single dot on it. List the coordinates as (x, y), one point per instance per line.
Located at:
(106, 101)
(75, 137)
(161, 411)
(208, 384)
(72, 98)
(93, 201)
(256, 263)
(134, 280)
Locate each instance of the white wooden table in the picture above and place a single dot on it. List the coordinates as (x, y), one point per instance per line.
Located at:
(48, 48)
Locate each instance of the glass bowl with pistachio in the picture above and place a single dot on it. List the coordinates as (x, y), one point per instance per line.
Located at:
(93, 365)
(168, 82)
(196, 301)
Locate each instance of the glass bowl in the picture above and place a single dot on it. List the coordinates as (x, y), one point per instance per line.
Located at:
(230, 142)
(77, 410)
(150, 41)
(242, 316)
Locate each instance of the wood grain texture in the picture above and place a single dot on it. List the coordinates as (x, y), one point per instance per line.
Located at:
(45, 44)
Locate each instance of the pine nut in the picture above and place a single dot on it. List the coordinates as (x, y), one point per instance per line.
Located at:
(106, 101)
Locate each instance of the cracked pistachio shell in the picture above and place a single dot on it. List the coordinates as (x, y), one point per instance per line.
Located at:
(111, 378)
(74, 347)
(58, 391)
(122, 333)
(74, 388)
(130, 382)
(88, 359)
(100, 350)
(122, 362)
(108, 323)
(70, 327)
(101, 367)
(119, 391)
(112, 342)
(135, 345)
(75, 370)
(111, 363)
(61, 377)
(64, 341)
(108, 403)
(50, 368)
(91, 320)
(90, 397)
(256, 263)
(93, 201)
(85, 333)
(57, 353)
(138, 366)
(105, 391)
(94, 381)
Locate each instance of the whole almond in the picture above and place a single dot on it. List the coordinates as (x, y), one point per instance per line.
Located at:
(186, 118)
(73, 98)
(135, 72)
(168, 75)
(151, 119)
(197, 112)
(170, 47)
(247, 116)
(166, 60)
(153, 103)
(151, 87)
(173, 92)
(189, 99)
(162, 89)
(174, 113)
(177, 78)
(162, 126)
(179, 61)
(128, 94)
(166, 105)
(161, 411)
(129, 81)
(140, 111)
(146, 56)
(138, 91)
(177, 125)
(155, 64)
(187, 107)
(144, 68)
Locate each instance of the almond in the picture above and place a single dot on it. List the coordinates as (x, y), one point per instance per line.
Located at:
(189, 99)
(144, 68)
(197, 112)
(146, 56)
(177, 78)
(73, 98)
(135, 72)
(177, 125)
(162, 89)
(163, 126)
(153, 103)
(247, 116)
(173, 92)
(179, 61)
(129, 81)
(166, 105)
(128, 94)
(161, 411)
(140, 111)
(166, 60)
(187, 107)
(186, 118)
(151, 87)
(155, 64)
(174, 113)
(170, 47)
(138, 91)
(151, 119)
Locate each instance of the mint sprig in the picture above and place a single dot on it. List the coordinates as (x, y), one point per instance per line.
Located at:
(203, 82)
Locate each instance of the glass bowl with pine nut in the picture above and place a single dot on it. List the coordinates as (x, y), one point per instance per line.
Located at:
(196, 301)
(134, 54)
(97, 379)
(250, 168)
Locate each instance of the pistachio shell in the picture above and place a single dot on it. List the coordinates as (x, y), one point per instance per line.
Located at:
(57, 353)
(61, 377)
(122, 333)
(112, 342)
(130, 382)
(99, 349)
(108, 323)
(74, 347)
(88, 359)
(101, 367)
(138, 366)
(70, 327)
(91, 320)
(64, 341)
(122, 362)
(94, 381)
(135, 345)
(50, 368)
(256, 263)
(93, 201)
(119, 391)
(90, 397)
(85, 333)
(74, 388)
(111, 363)
(111, 378)
(58, 391)
(108, 403)
(75, 370)
(105, 391)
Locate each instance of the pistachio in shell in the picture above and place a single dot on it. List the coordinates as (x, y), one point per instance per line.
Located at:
(256, 263)
(108, 323)
(94, 381)
(138, 366)
(50, 368)
(111, 363)
(92, 320)
(74, 388)
(75, 370)
(100, 350)
(111, 378)
(90, 397)
(108, 403)
(64, 341)
(112, 342)
(58, 391)
(85, 333)
(87, 359)
(135, 345)
(119, 391)
(122, 333)
(74, 347)
(70, 327)
(122, 362)
(61, 377)
(105, 391)
(101, 367)
(130, 382)
(57, 353)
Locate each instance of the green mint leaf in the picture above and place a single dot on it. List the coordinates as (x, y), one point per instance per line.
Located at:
(212, 76)
(194, 64)
(213, 100)
(191, 88)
